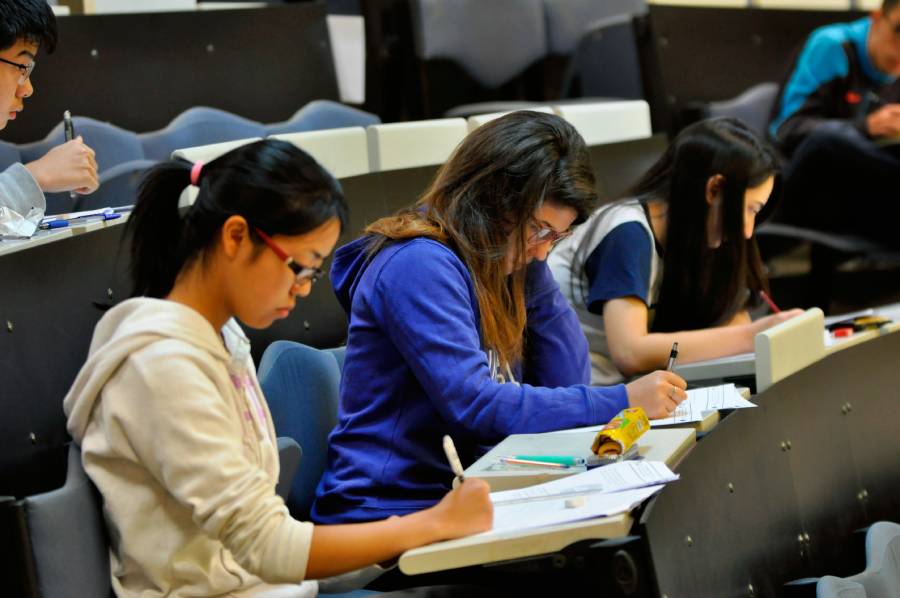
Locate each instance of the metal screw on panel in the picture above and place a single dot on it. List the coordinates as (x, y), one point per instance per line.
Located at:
(783, 445)
(210, 48)
(33, 438)
(805, 538)
(849, 407)
(751, 591)
(800, 539)
(844, 409)
(95, 54)
(788, 444)
(9, 326)
(109, 293)
(689, 541)
(730, 487)
(305, 325)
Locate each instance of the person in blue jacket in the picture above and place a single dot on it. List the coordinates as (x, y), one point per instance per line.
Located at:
(838, 118)
(457, 326)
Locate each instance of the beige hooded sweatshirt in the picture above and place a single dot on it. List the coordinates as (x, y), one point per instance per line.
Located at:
(176, 435)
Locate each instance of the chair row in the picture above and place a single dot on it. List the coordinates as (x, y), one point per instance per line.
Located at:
(502, 50)
(354, 151)
(123, 156)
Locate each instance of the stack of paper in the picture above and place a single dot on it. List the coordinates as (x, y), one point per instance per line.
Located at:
(600, 492)
(703, 400)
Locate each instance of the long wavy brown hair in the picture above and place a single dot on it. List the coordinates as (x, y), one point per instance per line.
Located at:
(482, 200)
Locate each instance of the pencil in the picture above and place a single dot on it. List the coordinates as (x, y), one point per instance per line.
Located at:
(765, 297)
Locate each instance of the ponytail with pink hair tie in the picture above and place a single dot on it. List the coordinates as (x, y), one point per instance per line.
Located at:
(195, 172)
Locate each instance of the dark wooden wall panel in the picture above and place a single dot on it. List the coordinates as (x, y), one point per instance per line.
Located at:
(139, 71)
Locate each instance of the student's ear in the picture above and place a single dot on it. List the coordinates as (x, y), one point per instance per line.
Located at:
(235, 232)
(714, 187)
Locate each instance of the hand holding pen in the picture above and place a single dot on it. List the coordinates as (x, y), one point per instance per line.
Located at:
(69, 132)
(67, 167)
(453, 458)
(778, 316)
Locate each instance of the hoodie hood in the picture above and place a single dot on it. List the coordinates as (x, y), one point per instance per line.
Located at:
(347, 267)
(126, 329)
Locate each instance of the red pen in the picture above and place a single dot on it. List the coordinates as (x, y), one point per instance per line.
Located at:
(765, 297)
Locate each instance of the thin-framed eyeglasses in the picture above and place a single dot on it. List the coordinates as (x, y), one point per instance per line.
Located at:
(545, 234)
(24, 69)
(301, 272)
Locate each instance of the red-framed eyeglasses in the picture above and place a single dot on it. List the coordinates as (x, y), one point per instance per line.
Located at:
(303, 273)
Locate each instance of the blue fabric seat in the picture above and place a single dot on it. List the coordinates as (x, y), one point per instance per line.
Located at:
(302, 387)
(9, 155)
(323, 114)
(195, 126)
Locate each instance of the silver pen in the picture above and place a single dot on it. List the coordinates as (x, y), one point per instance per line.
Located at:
(69, 131)
(453, 458)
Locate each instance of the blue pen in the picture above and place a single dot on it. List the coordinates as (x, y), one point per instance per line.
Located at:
(54, 224)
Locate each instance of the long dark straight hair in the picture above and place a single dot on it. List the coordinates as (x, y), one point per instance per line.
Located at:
(704, 286)
(482, 200)
(274, 185)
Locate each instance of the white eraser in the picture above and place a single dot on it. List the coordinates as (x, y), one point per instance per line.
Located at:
(575, 502)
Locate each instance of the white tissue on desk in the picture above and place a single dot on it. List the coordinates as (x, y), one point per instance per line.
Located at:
(15, 226)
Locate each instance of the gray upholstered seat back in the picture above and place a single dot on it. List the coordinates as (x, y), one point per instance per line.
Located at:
(569, 20)
(68, 537)
(493, 41)
(881, 578)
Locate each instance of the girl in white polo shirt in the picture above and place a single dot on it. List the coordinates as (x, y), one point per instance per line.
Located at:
(676, 261)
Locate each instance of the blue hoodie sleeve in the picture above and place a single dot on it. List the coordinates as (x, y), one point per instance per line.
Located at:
(428, 310)
(556, 351)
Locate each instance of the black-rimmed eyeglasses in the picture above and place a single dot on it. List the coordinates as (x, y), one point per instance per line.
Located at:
(24, 69)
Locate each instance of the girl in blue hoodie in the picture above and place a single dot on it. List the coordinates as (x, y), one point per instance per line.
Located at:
(173, 427)
(457, 326)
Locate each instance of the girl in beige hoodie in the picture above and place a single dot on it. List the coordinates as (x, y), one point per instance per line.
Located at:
(173, 427)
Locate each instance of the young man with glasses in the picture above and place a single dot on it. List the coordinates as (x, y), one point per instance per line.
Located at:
(25, 27)
(838, 119)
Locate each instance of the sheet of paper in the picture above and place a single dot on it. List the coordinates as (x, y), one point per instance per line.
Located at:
(617, 477)
(702, 400)
(531, 514)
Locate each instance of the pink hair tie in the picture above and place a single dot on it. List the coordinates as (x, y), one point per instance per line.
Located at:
(195, 172)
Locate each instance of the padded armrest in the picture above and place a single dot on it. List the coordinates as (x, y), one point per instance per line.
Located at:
(289, 454)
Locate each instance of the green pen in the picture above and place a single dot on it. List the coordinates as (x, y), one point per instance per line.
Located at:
(558, 459)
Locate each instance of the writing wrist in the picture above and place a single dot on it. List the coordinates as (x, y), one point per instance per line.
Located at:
(38, 174)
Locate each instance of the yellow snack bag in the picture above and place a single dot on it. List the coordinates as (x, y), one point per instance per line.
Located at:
(621, 432)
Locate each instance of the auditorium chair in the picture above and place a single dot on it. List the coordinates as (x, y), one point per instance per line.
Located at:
(472, 50)
(62, 535)
(323, 114)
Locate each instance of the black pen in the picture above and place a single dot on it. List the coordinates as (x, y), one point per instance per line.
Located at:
(673, 355)
(69, 131)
